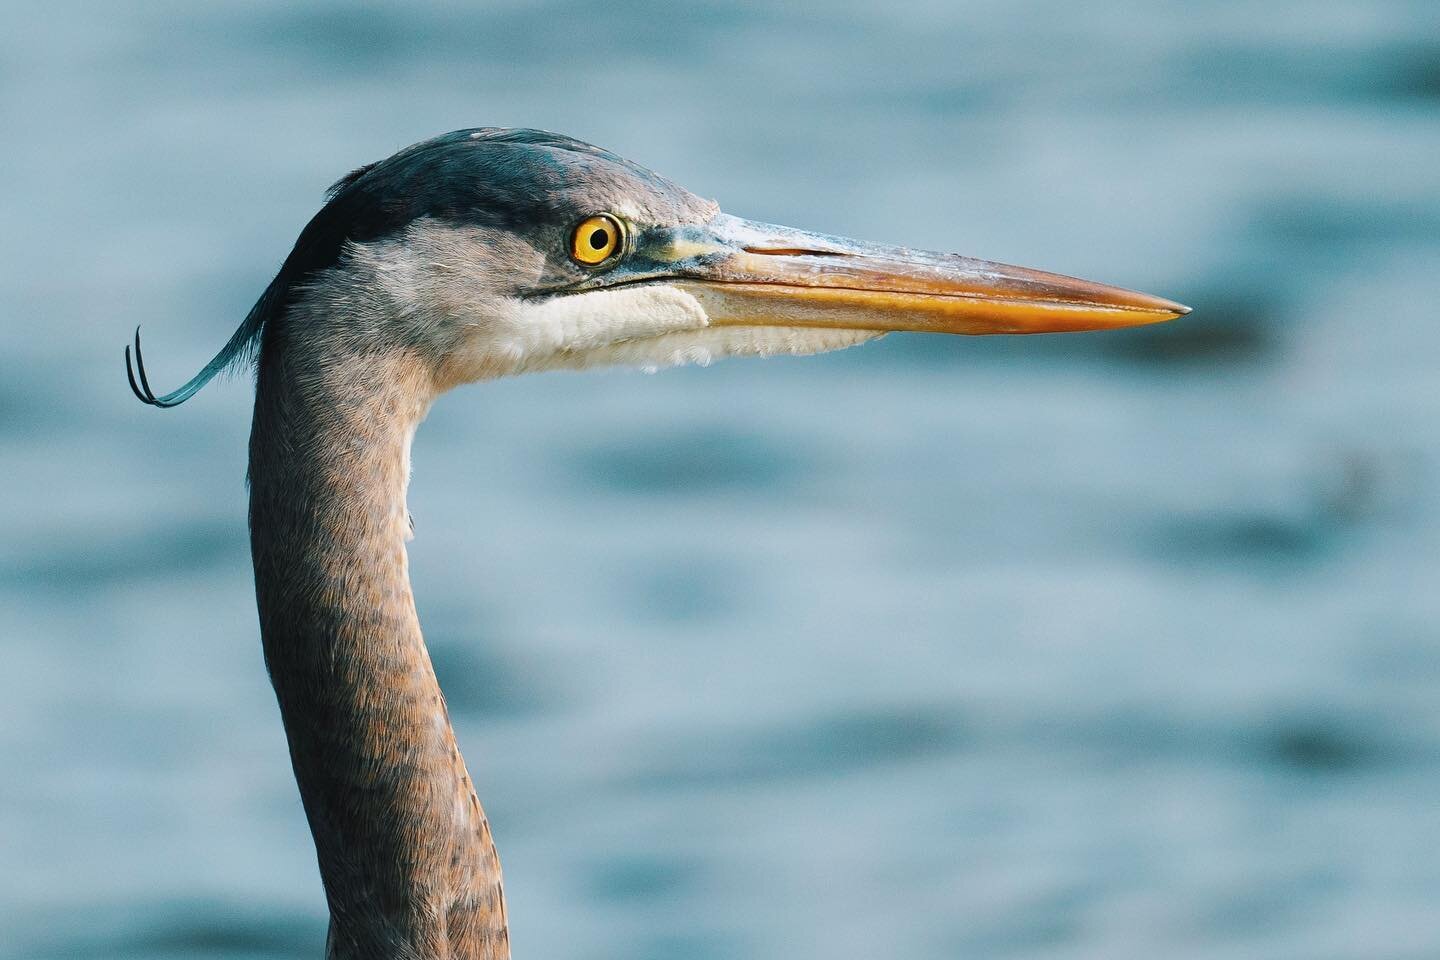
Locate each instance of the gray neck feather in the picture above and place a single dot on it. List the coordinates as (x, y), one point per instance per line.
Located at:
(404, 849)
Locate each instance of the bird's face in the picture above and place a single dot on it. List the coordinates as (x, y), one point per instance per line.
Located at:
(522, 251)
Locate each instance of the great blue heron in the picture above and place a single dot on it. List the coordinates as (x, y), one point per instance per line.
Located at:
(478, 254)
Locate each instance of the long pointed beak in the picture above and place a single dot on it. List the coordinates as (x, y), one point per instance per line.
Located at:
(754, 274)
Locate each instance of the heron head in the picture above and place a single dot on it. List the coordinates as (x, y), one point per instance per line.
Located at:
(492, 252)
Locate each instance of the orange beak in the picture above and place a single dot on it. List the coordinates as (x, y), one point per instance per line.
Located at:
(752, 274)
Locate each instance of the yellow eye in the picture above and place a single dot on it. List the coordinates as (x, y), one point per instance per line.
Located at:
(596, 239)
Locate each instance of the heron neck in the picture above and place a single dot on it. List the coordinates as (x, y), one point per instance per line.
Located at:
(404, 848)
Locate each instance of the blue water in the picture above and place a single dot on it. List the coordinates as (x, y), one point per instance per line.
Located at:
(1113, 646)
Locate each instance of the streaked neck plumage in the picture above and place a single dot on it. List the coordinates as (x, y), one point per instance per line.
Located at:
(405, 851)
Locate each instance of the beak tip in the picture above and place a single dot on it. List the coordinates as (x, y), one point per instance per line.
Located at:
(1164, 310)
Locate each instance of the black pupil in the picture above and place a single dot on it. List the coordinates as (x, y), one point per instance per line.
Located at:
(599, 238)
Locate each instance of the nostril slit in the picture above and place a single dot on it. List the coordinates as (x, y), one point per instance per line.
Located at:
(794, 252)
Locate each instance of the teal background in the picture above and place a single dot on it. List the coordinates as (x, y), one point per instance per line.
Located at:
(1110, 646)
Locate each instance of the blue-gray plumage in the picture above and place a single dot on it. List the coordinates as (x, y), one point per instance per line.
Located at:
(479, 254)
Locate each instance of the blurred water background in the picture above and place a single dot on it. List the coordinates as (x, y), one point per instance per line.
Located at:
(1109, 646)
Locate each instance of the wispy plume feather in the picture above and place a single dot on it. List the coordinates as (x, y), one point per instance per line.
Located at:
(240, 349)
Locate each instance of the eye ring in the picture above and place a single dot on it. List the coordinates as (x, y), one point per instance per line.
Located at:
(596, 239)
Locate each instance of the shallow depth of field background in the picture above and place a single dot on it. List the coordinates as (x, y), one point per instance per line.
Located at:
(1112, 646)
